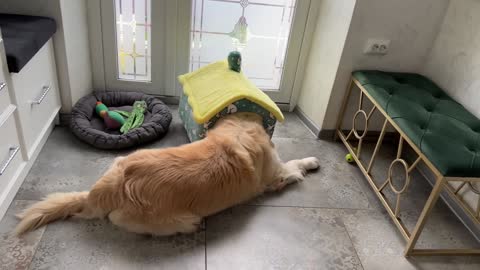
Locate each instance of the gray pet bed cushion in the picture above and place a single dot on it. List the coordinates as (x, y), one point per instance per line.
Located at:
(89, 127)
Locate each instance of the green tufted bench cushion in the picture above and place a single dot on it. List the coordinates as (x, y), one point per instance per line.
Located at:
(446, 133)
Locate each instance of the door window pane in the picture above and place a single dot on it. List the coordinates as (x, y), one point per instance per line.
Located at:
(259, 29)
(133, 33)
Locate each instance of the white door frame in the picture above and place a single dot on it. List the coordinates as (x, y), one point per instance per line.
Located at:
(292, 56)
(177, 29)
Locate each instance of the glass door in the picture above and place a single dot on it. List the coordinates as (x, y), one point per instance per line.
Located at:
(268, 33)
(133, 25)
(147, 44)
(135, 46)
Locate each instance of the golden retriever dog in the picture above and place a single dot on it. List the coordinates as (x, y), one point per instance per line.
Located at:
(168, 191)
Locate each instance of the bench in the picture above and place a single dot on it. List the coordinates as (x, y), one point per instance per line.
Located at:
(442, 133)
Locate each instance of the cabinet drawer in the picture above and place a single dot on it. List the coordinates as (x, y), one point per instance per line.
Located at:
(10, 152)
(36, 95)
(4, 97)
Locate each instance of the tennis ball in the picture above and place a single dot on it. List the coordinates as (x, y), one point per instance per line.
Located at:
(349, 157)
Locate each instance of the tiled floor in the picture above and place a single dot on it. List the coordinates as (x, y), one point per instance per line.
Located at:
(330, 221)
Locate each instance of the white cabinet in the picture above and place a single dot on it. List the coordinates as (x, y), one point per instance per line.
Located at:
(12, 163)
(29, 104)
(35, 92)
(4, 97)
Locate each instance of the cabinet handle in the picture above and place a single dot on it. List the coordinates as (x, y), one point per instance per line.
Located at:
(44, 94)
(2, 85)
(13, 151)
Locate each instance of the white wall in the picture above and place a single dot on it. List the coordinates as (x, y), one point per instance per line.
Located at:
(70, 42)
(96, 46)
(77, 46)
(454, 62)
(411, 25)
(331, 29)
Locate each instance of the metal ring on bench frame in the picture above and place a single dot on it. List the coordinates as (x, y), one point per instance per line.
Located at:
(474, 189)
(366, 124)
(407, 176)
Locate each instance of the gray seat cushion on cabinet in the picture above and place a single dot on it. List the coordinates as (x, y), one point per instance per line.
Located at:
(23, 36)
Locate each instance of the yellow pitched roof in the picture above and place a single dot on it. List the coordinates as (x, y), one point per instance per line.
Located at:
(213, 87)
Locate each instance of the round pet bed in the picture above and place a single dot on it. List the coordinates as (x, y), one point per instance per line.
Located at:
(87, 126)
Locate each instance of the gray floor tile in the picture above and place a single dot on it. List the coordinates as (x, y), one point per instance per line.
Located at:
(252, 237)
(68, 164)
(380, 246)
(96, 244)
(292, 127)
(442, 230)
(245, 237)
(16, 253)
(176, 133)
(65, 164)
(332, 186)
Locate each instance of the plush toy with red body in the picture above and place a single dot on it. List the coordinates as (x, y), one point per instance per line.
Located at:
(112, 119)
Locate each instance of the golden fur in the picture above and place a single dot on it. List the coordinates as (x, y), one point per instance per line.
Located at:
(167, 191)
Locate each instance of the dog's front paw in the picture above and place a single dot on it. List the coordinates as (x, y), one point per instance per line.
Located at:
(294, 178)
(311, 163)
(279, 185)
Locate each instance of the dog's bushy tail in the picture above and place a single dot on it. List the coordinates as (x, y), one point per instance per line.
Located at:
(54, 207)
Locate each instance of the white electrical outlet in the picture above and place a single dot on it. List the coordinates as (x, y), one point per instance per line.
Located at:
(377, 46)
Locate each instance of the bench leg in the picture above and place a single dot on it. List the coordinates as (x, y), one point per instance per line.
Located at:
(432, 199)
(343, 108)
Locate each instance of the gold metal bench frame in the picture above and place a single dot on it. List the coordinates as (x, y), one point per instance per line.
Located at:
(441, 182)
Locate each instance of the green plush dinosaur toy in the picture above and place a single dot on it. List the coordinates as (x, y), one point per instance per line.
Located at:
(112, 119)
(135, 117)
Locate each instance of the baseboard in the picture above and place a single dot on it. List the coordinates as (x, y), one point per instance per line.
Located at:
(284, 107)
(65, 119)
(307, 121)
(169, 100)
(327, 134)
